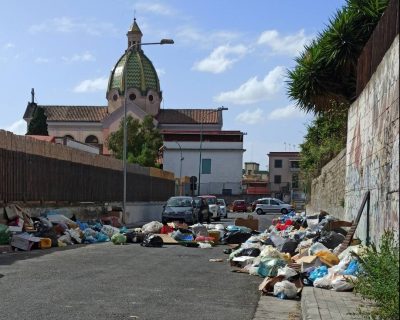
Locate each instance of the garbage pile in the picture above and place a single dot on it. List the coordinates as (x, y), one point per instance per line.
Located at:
(298, 250)
(23, 232)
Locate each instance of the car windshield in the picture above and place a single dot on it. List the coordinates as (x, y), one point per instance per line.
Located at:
(220, 202)
(211, 200)
(179, 202)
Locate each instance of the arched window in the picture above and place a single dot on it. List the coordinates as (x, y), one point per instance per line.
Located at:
(69, 137)
(92, 139)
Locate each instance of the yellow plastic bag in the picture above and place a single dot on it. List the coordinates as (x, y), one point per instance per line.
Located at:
(327, 258)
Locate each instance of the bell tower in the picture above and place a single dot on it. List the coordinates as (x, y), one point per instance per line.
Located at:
(134, 35)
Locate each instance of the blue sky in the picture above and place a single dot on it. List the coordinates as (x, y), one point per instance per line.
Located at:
(226, 53)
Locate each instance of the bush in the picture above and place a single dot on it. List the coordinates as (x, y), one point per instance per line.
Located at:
(379, 279)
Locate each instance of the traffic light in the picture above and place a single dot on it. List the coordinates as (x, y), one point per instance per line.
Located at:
(193, 183)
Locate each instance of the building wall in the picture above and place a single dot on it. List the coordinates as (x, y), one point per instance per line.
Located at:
(79, 130)
(285, 172)
(226, 164)
(372, 156)
(327, 191)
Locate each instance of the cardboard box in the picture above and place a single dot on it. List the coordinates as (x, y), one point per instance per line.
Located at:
(23, 241)
(308, 261)
(250, 222)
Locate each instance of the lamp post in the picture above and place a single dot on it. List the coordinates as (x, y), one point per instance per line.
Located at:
(180, 168)
(201, 142)
(127, 52)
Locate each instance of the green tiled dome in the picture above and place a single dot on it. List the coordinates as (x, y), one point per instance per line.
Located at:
(141, 73)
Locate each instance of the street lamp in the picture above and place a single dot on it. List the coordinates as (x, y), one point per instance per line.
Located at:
(201, 142)
(180, 168)
(129, 50)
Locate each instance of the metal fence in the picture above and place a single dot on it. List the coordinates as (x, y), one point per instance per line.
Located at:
(28, 177)
(379, 42)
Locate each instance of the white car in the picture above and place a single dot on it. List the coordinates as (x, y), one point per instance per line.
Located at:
(222, 206)
(272, 205)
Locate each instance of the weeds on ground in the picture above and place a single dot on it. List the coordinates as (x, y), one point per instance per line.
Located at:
(379, 279)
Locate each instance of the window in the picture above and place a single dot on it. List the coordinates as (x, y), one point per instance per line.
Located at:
(151, 98)
(92, 139)
(206, 166)
(295, 181)
(274, 203)
(69, 137)
(294, 164)
(278, 163)
(277, 179)
(115, 97)
(132, 96)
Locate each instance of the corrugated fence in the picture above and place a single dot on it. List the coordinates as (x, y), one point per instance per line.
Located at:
(33, 170)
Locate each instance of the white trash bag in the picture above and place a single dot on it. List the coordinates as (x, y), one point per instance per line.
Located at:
(152, 227)
(285, 289)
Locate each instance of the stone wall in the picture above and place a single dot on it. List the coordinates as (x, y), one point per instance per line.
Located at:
(372, 156)
(327, 191)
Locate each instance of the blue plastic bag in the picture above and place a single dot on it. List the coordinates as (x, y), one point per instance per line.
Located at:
(352, 268)
(318, 273)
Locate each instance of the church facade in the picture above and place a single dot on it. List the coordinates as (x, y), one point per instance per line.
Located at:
(134, 82)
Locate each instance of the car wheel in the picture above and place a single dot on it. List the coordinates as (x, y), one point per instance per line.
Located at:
(284, 211)
(259, 211)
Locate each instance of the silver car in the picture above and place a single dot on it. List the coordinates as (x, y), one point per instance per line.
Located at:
(272, 205)
(222, 206)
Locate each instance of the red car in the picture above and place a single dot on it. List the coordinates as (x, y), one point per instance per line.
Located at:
(239, 206)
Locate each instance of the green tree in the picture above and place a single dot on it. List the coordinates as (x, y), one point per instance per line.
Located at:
(326, 70)
(38, 123)
(325, 138)
(143, 141)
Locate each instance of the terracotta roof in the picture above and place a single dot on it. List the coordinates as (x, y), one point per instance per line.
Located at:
(188, 116)
(42, 138)
(70, 113)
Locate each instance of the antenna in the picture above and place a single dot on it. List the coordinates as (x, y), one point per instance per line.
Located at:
(285, 145)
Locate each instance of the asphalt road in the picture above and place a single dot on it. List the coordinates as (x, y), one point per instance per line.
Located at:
(106, 281)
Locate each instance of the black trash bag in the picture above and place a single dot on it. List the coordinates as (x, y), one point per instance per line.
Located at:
(249, 252)
(289, 246)
(134, 237)
(152, 240)
(268, 242)
(235, 237)
(331, 239)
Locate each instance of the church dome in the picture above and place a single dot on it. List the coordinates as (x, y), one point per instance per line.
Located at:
(139, 70)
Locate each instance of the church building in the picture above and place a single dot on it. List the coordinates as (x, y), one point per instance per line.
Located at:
(187, 133)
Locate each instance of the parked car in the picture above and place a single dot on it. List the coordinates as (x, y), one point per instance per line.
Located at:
(272, 205)
(184, 209)
(213, 206)
(254, 204)
(239, 206)
(222, 207)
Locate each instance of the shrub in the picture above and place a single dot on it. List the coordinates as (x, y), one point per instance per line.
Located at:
(379, 279)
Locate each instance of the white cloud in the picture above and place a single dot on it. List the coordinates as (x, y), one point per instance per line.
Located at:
(91, 85)
(287, 112)
(248, 117)
(221, 59)
(290, 44)
(41, 60)
(18, 127)
(254, 90)
(86, 56)
(156, 8)
(68, 25)
(9, 45)
(206, 39)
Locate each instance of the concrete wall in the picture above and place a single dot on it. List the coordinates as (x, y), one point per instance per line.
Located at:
(372, 156)
(327, 191)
